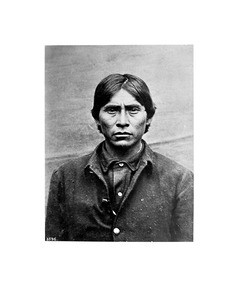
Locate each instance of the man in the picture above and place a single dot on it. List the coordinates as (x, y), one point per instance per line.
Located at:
(123, 191)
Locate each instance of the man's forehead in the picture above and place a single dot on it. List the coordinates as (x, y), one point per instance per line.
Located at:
(123, 98)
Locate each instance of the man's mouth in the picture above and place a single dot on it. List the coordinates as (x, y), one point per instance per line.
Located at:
(122, 134)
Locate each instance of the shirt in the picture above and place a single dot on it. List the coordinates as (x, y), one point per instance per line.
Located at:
(118, 174)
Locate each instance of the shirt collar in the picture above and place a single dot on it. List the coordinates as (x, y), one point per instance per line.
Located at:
(107, 160)
(94, 161)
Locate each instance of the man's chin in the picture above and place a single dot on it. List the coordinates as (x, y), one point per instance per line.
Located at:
(122, 144)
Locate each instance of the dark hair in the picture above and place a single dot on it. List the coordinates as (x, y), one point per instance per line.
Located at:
(113, 83)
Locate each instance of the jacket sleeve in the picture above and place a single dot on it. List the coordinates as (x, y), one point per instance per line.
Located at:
(55, 227)
(182, 219)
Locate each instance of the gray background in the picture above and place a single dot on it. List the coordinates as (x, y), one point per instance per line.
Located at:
(72, 74)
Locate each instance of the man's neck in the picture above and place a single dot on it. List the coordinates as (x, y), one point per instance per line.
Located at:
(123, 153)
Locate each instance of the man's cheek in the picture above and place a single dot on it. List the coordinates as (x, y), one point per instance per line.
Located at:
(140, 124)
(108, 125)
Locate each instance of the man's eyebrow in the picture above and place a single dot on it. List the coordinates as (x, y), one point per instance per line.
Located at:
(133, 105)
(128, 106)
(111, 105)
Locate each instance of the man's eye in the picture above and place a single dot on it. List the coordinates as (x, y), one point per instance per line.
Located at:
(111, 110)
(134, 110)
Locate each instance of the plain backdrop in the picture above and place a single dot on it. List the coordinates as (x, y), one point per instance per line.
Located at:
(72, 74)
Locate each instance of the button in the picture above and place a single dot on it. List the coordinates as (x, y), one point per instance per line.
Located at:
(120, 194)
(116, 230)
(121, 164)
(105, 200)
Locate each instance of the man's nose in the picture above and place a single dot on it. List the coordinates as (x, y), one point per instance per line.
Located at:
(122, 120)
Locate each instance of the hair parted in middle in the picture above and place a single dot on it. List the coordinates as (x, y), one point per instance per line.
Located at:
(113, 83)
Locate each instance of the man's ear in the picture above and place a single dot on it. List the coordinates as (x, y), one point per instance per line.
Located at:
(147, 126)
(97, 122)
(98, 125)
(148, 122)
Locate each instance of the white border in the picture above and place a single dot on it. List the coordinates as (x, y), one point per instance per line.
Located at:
(35, 269)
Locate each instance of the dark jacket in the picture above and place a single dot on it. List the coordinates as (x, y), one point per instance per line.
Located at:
(158, 205)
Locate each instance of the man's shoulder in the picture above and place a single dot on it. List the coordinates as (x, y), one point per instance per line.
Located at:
(164, 164)
(74, 164)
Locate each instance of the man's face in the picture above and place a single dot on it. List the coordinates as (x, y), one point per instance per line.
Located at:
(123, 120)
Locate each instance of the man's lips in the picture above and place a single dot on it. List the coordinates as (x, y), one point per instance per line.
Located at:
(122, 134)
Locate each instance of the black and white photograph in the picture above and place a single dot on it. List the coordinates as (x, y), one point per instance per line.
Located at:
(117, 150)
(119, 143)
